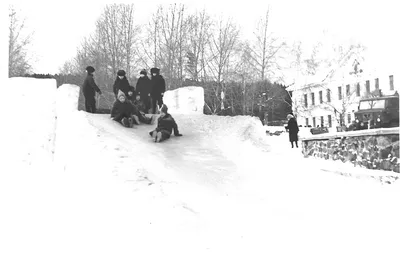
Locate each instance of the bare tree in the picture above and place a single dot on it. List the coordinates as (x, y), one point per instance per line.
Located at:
(68, 68)
(112, 46)
(129, 35)
(223, 43)
(198, 39)
(172, 32)
(265, 49)
(18, 63)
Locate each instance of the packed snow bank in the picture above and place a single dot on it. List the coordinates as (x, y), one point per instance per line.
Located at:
(29, 112)
(185, 100)
(67, 99)
(68, 118)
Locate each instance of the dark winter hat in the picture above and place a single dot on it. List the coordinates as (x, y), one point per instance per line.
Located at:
(164, 108)
(143, 72)
(121, 73)
(155, 70)
(90, 69)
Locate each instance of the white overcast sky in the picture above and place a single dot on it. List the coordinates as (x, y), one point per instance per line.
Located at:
(59, 26)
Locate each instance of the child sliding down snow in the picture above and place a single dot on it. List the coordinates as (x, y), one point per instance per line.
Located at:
(164, 127)
(123, 111)
(141, 108)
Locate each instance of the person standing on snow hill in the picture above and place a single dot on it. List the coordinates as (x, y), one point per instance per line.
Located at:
(89, 90)
(164, 127)
(293, 129)
(122, 83)
(123, 111)
(157, 88)
(143, 89)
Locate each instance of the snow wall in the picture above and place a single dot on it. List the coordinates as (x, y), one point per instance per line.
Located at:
(39, 123)
(29, 120)
(185, 100)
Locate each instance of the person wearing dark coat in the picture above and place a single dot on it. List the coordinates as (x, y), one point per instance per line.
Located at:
(89, 89)
(166, 123)
(143, 89)
(122, 83)
(293, 129)
(123, 111)
(157, 88)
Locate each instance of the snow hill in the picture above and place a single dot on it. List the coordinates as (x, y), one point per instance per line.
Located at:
(80, 187)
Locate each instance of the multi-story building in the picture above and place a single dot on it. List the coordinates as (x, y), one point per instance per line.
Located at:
(332, 103)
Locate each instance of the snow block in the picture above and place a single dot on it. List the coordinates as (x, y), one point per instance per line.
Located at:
(30, 119)
(67, 99)
(67, 119)
(185, 100)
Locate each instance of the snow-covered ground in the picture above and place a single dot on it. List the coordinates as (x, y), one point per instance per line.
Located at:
(224, 191)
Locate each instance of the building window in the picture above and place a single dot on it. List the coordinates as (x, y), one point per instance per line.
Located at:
(322, 121)
(328, 95)
(347, 90)
(358, 89)
(367, 87)
(376, 83)
(306, 122)
(339, 92)
(320, 97)
(305, 100)
(313, 122)
(312, 99)
(329, 120)
(348, 118)
(391, 82)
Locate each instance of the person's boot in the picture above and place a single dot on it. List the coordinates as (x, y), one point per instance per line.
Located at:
(136, 119)
(130, 122)
(125, 122)
(153, 119)
(297, 145)
(154, 135)
(159, 136)
(292, 144)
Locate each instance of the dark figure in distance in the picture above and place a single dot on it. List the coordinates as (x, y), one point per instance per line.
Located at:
(89, 90)
(293, 129)
(143, 89)
(122, 83)
(157, 89)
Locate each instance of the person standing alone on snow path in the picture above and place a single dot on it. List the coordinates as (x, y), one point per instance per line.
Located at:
(143, 89)
(89, 90)
(293, 129)
(122, 83)
(164, 126)
(157, 88)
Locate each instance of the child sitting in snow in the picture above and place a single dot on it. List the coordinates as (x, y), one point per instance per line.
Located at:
(123, 111)
(141, 108)
(164, 127)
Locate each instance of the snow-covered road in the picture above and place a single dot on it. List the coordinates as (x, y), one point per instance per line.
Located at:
(221, 192)
(227, 200)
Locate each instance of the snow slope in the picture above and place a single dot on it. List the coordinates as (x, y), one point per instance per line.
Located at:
(222, 192)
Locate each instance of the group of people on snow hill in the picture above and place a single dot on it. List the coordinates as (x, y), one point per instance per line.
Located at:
(131, 106)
